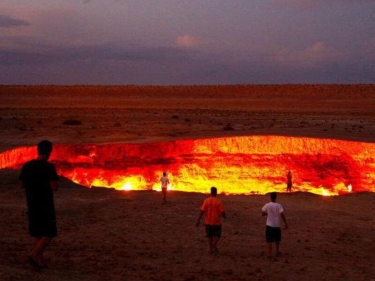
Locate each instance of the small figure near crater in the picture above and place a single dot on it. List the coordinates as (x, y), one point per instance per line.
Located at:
(164, 186)
(289, 182)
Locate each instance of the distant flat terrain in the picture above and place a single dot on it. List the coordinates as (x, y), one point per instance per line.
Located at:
(154, 113)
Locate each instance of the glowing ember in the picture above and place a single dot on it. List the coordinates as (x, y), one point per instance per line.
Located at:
(236, 165)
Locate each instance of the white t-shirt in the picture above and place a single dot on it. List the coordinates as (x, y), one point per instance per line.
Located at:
(273, 211)
(164, 182)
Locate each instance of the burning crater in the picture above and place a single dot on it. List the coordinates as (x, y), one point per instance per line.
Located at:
(236, 165)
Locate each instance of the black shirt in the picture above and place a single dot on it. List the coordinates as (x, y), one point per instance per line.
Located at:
(36, 176)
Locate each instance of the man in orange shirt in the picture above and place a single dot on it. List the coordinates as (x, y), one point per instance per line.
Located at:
(212, 209)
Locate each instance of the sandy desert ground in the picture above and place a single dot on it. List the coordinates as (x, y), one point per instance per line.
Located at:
(116, 235)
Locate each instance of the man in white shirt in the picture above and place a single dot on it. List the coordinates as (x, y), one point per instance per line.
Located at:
(274, 211)
(164, 186)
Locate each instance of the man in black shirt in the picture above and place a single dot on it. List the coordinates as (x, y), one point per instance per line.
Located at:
(39, 179)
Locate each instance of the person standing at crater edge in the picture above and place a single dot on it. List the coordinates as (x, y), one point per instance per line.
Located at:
(164, 186)
(289, 181)
(274, 212)
(212, 209)
(39, 179)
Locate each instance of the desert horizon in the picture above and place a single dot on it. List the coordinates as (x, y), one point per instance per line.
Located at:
(251, 97)
(128, 235)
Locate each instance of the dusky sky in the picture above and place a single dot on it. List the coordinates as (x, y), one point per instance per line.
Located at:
(176, 42)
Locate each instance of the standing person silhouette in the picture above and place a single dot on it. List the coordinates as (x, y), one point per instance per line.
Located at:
(164, 187)
(39, 179)
(274, 211)
(289, 181)
(212, 209)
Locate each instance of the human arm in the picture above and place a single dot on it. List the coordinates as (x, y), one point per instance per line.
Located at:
(223, 214)
(199, 218)
(54, 185)
(264, 210)
(284, 219)
(21, 178)
(53, 178)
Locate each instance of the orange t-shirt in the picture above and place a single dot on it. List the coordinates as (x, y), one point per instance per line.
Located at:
(212, 208)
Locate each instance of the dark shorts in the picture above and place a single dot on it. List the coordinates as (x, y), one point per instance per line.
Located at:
(42, 226)
(273, 234)
(213, 231)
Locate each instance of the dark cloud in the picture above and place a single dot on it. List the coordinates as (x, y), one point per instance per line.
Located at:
(89, 1)
(166, 66)
(36, 63)
(50, 55)
(7, 22)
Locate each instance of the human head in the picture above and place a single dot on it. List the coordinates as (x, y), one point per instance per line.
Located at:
(213, 191)
(164, 174)
(273, 196)
(45, 148)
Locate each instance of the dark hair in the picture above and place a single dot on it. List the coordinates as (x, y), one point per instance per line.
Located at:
(164, 173)
(273, 195)
(44, 147)
(213, 191)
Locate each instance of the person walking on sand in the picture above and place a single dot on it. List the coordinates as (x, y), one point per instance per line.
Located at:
(274, 211)
(289, 181)
(212, 209)
(39, 179)
(164, 186)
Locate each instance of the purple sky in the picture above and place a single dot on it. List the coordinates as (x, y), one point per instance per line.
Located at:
(169, 42)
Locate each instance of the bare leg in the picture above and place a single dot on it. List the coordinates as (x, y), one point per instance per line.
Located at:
(39, 258)
(214, 244)
(210, 245)
(37, 252)
(35, 258)
(277, 248)
(164, 200)
(269, 246)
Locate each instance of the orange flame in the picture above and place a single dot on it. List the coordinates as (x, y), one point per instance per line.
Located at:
(236, 165)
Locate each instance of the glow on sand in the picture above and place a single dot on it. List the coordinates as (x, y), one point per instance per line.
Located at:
(236, 165)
